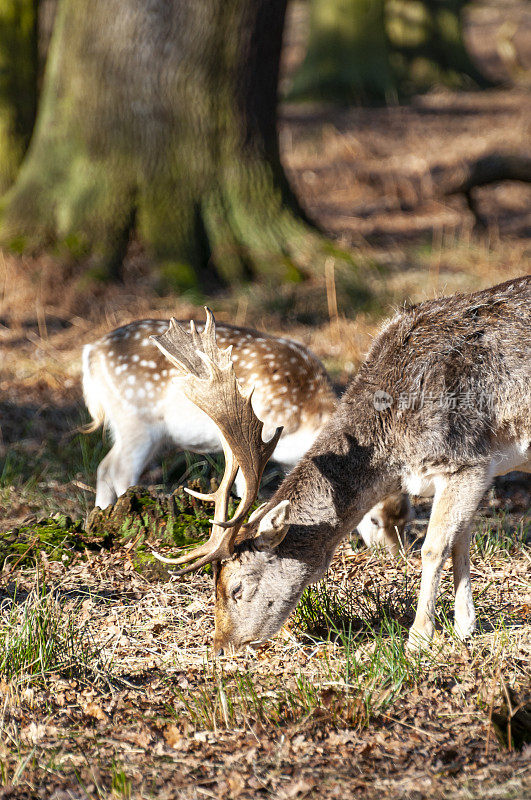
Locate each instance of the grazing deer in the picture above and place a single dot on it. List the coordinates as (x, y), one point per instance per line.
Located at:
(130, 387)
(440, 407)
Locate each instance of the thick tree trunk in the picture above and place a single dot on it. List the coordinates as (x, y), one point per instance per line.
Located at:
(347, 58)
(18, 83)
(161, 114)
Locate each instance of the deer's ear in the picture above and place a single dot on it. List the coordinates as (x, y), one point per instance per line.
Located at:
(273, 527)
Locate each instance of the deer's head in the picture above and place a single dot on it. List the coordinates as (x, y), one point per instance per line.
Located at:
(256, 587)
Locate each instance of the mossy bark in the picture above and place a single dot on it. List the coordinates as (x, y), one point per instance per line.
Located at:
(141, 517)
(18, 83)
(161, 116)
(347, 58)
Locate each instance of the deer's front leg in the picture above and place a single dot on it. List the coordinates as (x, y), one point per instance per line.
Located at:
(465, 614)
(456, 500)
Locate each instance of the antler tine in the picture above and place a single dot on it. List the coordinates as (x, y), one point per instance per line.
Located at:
(253, 475)
(219, 545)
(210, 382)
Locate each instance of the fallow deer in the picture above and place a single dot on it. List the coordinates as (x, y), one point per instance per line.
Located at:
(440, 407)
(383, 525)
(130, 388)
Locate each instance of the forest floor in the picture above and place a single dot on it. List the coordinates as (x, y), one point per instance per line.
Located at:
(108, 687)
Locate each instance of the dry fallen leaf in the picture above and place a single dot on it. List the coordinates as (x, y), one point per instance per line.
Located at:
(94, 710)
(298, 788)
(236, 784)
(173, 736)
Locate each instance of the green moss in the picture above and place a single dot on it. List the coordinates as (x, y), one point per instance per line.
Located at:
(141, 514)
(58, 537)
(17, 244)
(18, 83)
(141, 518)
(74, 245)
(147, 519)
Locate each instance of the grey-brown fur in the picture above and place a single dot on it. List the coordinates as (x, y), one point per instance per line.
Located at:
(475, 347)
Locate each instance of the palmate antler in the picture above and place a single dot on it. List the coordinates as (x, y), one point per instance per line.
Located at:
(209, 381)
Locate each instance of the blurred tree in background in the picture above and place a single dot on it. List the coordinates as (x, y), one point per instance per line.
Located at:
(375, 50)
(19, 64)
(159, 116)
(157, 119)
(427, 44)
(348, 56)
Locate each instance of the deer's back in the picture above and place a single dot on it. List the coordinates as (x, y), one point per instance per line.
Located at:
(133, 378)
(456, 374)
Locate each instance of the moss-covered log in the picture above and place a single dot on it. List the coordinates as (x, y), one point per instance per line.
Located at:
(18, 83)
(140, 519)
(160, 116)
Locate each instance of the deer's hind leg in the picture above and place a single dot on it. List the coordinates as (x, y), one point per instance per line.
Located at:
(456, 500)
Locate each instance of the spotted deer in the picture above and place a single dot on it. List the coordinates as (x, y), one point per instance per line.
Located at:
(440, 407)
(130, 387)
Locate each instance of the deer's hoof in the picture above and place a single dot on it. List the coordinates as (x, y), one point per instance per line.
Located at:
(418, 640)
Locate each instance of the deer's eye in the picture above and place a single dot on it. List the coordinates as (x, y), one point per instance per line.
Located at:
(375, 522)
(236, 591)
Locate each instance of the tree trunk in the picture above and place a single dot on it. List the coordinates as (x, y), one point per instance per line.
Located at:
(372, 50)
(347, 58)
(426, 38)
(161, 115)
(18, 83)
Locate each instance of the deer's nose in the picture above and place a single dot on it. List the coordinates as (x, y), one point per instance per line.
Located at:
(219, 649)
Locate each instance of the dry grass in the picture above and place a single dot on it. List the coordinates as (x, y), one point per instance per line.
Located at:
(111, 689)
(333, 707)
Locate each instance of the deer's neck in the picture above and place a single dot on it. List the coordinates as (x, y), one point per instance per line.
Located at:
(341, 477)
